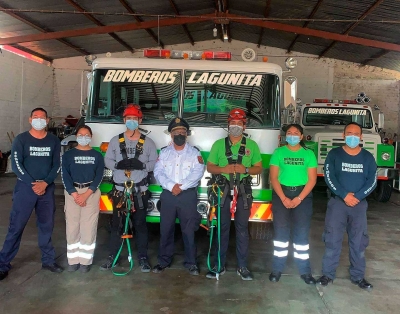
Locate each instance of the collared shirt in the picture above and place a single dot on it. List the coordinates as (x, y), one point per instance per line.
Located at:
(184, 167)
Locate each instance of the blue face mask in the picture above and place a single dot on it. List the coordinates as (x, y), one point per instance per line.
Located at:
(131, 124)
(292, 140)
(83, 140)
(352, 141)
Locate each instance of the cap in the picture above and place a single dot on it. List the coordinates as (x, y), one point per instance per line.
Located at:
(237, 114)
(178, 123)
(133, 110)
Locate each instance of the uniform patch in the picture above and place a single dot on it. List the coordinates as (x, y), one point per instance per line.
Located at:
(200, 159)
(248, 152)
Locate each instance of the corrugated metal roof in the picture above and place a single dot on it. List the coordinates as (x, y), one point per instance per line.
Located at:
(328, 10)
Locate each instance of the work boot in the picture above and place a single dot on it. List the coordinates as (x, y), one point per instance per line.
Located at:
(363, 284)
(72, 268)
(53, 268)
(108, 264)
(144, 265)
(308, 279)
(324, 280)
(212, 274)
(159, 269)
(3, 274)
(84, 268)
(274, 277)
(194, 270)
(244, 273)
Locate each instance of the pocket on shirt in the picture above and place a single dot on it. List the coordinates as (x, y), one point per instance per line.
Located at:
(186, 167)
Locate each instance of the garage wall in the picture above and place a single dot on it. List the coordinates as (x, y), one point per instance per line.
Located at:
(24, 85)
(317, 78)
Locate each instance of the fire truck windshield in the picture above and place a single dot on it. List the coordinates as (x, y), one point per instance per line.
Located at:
(320, 116)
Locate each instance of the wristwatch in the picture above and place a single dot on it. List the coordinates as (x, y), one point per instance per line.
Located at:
(247, 170)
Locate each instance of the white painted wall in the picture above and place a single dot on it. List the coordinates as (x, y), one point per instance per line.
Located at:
(24, 85)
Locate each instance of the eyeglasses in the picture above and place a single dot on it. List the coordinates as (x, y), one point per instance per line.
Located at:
(179, 132)
(237, 115)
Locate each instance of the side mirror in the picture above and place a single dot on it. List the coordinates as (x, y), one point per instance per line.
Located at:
(86, 81)
(290, 91)
(381, 120)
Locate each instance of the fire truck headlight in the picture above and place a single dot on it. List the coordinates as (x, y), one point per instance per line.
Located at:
(385, 156)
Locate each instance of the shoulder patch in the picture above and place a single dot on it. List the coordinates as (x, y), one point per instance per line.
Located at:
(200, 159)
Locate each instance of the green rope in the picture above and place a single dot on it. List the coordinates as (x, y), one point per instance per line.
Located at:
(128, 244)
(219, 238)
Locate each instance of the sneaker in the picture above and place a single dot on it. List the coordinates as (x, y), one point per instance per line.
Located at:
(53, 268)
(3, 275)
(244, 273)
(72, 268)
(159, 269)
(194, 270)
(84, 268)
(144, 265)
(212, 274)
(107, 265)
(308, 279)
(324, 280)
(274, 277)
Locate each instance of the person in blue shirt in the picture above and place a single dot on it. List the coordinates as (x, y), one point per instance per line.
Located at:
(82, 171)
(178, 170)
(35, 159)
(350, 173)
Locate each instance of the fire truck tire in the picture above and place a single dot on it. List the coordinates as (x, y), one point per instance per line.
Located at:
(260, 230)
(383, 191)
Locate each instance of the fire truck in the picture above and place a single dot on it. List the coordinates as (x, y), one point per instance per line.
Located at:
(323, 122)
(200, 86)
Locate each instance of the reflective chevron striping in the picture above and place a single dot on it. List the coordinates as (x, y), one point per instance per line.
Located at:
(105, 203)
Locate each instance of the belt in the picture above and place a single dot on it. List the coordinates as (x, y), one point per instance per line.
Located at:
(292, 188)
(82, 185)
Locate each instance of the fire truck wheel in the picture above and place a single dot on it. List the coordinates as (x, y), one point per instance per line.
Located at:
(383, 191)
(260, 230)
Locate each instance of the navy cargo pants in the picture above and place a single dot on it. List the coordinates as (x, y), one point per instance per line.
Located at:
(184, 207)
(241, 218)
(340, 218)
(24, 201)
(295, 221)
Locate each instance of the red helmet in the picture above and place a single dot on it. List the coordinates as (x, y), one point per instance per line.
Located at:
(237, 114)
(133, 110)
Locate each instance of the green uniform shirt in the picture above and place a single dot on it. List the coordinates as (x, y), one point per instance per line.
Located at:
(293, 165)
(251, 157)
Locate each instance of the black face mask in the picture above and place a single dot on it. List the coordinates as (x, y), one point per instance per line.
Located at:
(179, 140)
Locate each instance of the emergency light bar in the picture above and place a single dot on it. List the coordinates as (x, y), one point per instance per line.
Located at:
(193, 55)
(321, 100)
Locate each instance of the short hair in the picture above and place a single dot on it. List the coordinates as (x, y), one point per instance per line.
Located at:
(84, 127)
(352, 123)
(38, 109)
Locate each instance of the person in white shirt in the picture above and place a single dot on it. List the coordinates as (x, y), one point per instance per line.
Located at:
(179, 169)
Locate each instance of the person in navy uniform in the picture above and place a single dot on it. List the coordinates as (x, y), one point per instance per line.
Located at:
(36, 162)
(179, 169)
(350, 173)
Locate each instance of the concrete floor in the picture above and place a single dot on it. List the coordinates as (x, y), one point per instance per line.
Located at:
(30, 290)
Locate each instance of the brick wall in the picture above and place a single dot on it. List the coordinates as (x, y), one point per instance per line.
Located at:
(24, 85)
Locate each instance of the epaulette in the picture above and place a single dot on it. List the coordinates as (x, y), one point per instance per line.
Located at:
(196, 148)
(163, 148)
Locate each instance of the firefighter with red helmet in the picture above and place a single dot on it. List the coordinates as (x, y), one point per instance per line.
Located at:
(131, 156)
(232, 161)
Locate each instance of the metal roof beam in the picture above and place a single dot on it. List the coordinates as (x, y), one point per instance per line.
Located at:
(34, 53)
(139, 20)
(97, 22)
(354, 25)
(185, 29)
(316, 7)
(40, 29)
(375, 56)
(266, 14)
(210, 17)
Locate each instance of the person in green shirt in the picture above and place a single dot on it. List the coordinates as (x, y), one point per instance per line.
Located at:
(234, 159)
(293, 174)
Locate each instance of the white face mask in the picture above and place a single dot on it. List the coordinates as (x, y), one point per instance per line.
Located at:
(39, 124)
(83, 140)
(235, 130)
